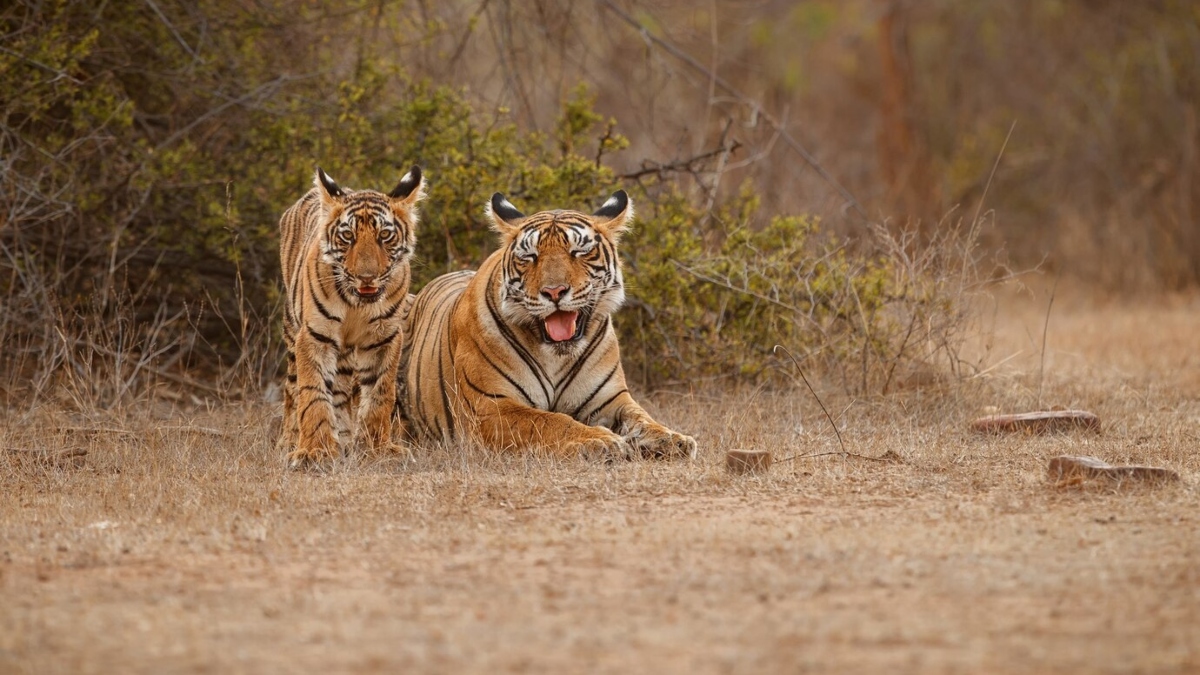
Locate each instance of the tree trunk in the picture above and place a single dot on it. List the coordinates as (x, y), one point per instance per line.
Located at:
(903, 158)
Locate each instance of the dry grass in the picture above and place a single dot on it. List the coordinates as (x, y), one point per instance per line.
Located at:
(181, 545)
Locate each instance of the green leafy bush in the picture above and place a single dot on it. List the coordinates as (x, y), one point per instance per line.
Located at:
(144, 180)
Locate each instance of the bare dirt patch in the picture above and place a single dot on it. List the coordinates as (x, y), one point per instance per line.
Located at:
(181, 544)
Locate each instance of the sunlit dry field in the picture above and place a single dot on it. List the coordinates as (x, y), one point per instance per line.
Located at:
(180, 544)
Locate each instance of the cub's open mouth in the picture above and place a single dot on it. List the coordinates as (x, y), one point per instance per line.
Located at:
(367, 292)
(562, 326)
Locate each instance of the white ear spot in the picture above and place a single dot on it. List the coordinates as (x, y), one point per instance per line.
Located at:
(614, 206)
(411, 181)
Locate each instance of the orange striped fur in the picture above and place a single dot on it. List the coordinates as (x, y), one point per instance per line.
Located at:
(522, 355)
(345, 259)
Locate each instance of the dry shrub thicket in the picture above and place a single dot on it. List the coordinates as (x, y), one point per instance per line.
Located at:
(793, 164)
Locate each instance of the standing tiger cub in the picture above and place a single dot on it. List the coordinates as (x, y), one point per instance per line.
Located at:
(345, 259)
(522, 355)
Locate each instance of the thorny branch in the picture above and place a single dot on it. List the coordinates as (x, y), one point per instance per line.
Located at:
(733, 91)
(688, 165)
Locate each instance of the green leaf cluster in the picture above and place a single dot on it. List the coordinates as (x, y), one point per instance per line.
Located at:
(151, 149)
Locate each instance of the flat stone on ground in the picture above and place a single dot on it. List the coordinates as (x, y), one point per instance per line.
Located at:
(1067, 469)
(1038, 422)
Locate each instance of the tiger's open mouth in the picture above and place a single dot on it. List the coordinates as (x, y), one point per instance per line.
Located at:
(367, 292)
(562, 327)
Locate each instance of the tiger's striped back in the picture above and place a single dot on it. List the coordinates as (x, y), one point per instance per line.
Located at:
(427, 389)
(344, 255)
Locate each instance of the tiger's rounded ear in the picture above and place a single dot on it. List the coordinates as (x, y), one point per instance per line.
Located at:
(410, 189)
(614, 215)
(506, 219)
(330, 192)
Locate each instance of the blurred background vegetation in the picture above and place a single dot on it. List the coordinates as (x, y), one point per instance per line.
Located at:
(834, 175)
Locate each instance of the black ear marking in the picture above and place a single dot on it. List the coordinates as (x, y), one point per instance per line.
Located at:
(615, 205)
(328, 183)
(411, 181)
(504, 208)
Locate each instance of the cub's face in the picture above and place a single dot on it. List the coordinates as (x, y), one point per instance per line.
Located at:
(369, 236)
(560, 269)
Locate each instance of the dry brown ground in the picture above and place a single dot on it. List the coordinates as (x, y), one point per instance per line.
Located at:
(181, 545)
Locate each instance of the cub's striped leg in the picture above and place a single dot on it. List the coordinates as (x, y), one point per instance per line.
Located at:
(378, 364)
(289, 430)
(316, 369)
(345, 397)
(646, 437)
(509, 425)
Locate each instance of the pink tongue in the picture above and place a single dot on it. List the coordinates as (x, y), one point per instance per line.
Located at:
(561, 325)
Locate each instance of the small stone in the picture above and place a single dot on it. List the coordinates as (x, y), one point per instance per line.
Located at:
(1067, 470)
(747, 461)
(1038, 422)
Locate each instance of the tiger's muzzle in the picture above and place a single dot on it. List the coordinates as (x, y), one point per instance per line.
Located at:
(367, 288)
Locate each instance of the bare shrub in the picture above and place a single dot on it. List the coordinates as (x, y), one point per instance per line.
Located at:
(873, 311)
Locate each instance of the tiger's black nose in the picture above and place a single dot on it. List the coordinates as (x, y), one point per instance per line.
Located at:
(555, 292)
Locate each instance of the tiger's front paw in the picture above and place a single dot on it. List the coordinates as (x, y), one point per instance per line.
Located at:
(662, 443)
(314, 453)
(285, 433)
(600, 444)
(376, 441)
(376, 427)
(391, 450)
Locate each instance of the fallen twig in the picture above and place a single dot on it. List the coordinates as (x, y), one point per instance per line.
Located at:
(93, 430)
(888, 456)
(59, 458)
(207, 431)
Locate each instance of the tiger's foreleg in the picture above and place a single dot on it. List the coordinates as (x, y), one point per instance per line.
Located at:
(377, 378)
(647, 437)
(289, 430)
(345, 398)
(316, 366)
(505, 424)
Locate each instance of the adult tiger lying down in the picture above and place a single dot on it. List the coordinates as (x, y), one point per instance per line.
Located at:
(522, 355)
